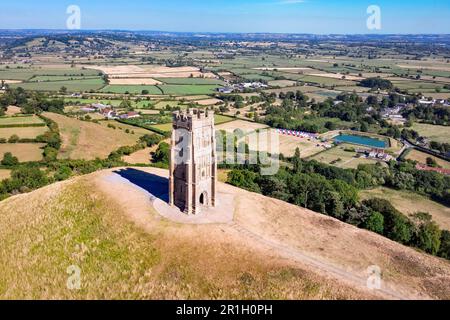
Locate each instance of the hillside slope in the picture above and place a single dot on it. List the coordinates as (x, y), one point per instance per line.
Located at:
(124, 249)
(88, 140)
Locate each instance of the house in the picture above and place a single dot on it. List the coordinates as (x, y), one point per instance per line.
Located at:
(100, 106)
(87, 109)
(109, 113)
(426, 102)
(225, 90)
(129, 115)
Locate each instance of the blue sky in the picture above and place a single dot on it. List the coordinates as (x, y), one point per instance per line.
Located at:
(278, 16)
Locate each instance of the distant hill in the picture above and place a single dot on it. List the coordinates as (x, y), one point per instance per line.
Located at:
(124, 249)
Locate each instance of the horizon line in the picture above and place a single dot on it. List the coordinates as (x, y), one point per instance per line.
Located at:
(224, 32)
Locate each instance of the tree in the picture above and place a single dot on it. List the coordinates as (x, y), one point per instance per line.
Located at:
(162, 153)
(444, 250)
(427, 235)
(374, 222)
(14, 139)
(432, 162)
(150, 139)
(297, 161)
(244, 179)
(63, 90)
(377, 83)
(9, 159)
(397, 227)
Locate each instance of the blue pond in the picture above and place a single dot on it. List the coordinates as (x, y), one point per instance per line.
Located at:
(360, 140)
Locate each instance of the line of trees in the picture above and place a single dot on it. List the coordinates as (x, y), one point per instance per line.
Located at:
(334, 192)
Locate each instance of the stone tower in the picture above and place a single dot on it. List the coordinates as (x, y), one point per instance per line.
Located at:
(193, 167)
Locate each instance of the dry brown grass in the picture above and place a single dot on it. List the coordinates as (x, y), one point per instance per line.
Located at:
(329, 241)
(409, 203)
(127, 251)
(23, 133)
(13, 110)
(23, 151)
(5, 174)
(137, 81)
(245, 126)
(87, 140)
(72, 224)
(143, 156)
(151, 71)
(421, 157)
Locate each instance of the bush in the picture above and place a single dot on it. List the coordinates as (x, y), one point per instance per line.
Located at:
(162, 153)
(29, 177)
(377, 83)
(427, 235)
(375, 223)
(444, 250)
(150, 139)
(14, 139)
(397, 227)
(9, 159)
(63, 173)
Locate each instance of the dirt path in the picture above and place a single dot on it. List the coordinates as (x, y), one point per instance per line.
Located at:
(309, 240)
(295, 254)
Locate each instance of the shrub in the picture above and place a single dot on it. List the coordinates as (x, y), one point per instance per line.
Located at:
(9, 159)
(375, 223)
(14, 139)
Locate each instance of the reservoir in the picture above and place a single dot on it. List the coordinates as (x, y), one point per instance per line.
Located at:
(361, 140)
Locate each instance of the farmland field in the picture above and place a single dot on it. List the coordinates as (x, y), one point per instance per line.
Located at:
(421, 157)
(86, 140)
(192, 81)
(22, 132)
(122, 126)
(20, 120)
(71, 85)
(245, 126)
(433, 132)
(288, 145)
(5, 174)
(188, 89)
(135, 89)
(340, 157)
(23, 151)
(220, 120)
(409, 203)
(28, 73)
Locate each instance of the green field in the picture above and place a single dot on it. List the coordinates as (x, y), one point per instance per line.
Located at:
(71, 85)
(28, 73)
(342, 157)
(163, 104)
(433, 132)
(20, 121)
(188, 89)
(198, 81)
(60, 78)
(132, 89)
(410, 202)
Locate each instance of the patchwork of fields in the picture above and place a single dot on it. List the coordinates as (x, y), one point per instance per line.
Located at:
(86, 140)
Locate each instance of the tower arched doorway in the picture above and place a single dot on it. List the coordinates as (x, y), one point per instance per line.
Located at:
(204, 199)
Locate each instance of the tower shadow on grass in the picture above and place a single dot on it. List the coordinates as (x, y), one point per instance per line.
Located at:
(153, 184)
